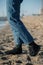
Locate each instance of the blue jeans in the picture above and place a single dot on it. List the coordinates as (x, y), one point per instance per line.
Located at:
(20, 33)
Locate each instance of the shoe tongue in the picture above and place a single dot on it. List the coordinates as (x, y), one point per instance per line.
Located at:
(18, 45)
(32, 44)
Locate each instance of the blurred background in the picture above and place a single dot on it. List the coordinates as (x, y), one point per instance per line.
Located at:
(28, 8)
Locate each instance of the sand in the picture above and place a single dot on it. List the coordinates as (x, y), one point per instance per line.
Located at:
(34, 24)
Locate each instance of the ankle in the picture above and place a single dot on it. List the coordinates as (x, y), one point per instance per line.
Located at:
(32, 43)
(19, 45)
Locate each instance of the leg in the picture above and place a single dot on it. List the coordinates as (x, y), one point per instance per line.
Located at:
(24, 34)
(18, 28)
(13, 14)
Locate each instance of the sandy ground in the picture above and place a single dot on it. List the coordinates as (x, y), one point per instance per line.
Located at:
(34, 24)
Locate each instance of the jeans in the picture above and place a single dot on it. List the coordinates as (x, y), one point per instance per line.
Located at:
(20, 33)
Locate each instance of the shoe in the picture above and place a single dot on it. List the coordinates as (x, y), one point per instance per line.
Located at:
(16, 50)
(1, 52)
(33, 49)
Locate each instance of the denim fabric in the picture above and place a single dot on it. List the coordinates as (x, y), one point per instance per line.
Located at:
(20, 33)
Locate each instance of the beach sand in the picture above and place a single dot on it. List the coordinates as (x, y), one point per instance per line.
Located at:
(34, 24)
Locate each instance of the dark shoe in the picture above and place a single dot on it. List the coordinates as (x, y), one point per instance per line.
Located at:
(16, 50)
(33, 49)
(1, 52)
